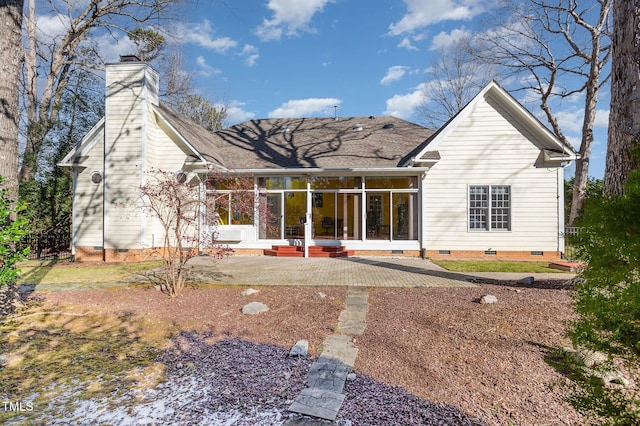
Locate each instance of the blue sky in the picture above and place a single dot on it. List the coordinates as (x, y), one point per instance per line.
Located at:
(300, 58)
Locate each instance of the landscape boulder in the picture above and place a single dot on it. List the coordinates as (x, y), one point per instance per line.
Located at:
(488, 298)
(300, 348)
(250, 291)
(254, 308)
(528, 280)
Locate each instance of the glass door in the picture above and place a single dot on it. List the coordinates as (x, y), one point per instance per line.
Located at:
(295, 208)
(323, 214)
(348, 216)
(273, 228)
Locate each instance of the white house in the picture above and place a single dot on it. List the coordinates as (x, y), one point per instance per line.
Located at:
(488, 184)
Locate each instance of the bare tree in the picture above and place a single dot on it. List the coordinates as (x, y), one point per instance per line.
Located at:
(57, 60)
(11, 55)
(456, 77)
(201, 111)
(559, 48)
(189, 219)
(624, 119)
(177, 82)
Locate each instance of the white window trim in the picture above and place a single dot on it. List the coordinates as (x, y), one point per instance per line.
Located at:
(489, 209)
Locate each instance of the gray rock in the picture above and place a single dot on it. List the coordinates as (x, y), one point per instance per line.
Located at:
(591, 358)
(488, 298)
(300, 348)
(254, 308)
(528, 280)
(250, 291)
(320, 295)
(351, 377)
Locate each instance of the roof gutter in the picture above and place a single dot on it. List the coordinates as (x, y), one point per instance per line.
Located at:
(328, 170)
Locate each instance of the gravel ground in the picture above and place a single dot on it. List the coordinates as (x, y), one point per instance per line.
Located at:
(235, 382)
(425, 353)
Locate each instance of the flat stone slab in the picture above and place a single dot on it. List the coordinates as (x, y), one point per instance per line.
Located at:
(328, 376)
(339, 348)
(353, 315)
(353, 328)
(318, 403)
(306, 421)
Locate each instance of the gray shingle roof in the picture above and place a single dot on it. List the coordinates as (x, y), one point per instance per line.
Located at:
(305, 142)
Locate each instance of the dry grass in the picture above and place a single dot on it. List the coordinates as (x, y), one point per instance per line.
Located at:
(52, 272)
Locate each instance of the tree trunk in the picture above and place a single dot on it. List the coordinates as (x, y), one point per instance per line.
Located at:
(11, 55)
(29, 160)
(624, 118)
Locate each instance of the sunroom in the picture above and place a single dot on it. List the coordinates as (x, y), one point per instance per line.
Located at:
(351, 209)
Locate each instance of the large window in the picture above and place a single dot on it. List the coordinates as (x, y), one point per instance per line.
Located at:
(231, 208)
(490, 207)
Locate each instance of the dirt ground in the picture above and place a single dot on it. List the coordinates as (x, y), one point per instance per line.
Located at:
(438, 343)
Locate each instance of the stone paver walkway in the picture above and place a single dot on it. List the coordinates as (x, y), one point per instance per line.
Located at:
(327, 376)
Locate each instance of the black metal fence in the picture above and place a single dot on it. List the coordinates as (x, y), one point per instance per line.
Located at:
(54, 243)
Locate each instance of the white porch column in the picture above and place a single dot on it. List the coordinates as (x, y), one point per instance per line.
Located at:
(308, 225)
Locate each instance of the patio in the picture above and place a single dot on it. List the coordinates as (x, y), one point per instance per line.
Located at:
(351, 271)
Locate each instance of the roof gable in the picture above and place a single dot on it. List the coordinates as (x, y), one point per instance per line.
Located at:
(543, 136)
(81, 151)
(198, 141)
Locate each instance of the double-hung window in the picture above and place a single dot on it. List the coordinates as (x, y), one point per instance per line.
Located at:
(490, 207)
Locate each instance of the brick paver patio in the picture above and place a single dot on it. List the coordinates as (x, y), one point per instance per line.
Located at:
(352, 271)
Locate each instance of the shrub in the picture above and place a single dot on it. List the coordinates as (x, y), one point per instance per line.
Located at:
(13, 228)
(607, 301)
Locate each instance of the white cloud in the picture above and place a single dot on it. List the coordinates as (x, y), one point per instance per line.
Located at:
(394, 73)
(570, 121)
(236, 113)
(250, 52)
(203, 35)
(602, 118)
(406, 44)
(111, 46)
(422, 13)
(251, 60)
(305, 108)
(444, 40)
(289, 17)
(403, 106)
(206, 70)
(51, 28)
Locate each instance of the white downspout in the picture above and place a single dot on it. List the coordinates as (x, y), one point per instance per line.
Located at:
(561, 236)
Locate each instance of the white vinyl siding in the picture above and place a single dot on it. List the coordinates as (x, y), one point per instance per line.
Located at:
(129, 88)
(88, 197)
(490, 148)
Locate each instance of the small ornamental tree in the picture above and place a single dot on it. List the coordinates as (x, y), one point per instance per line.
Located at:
(13, 227)
(607, 301)
(190, 216)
